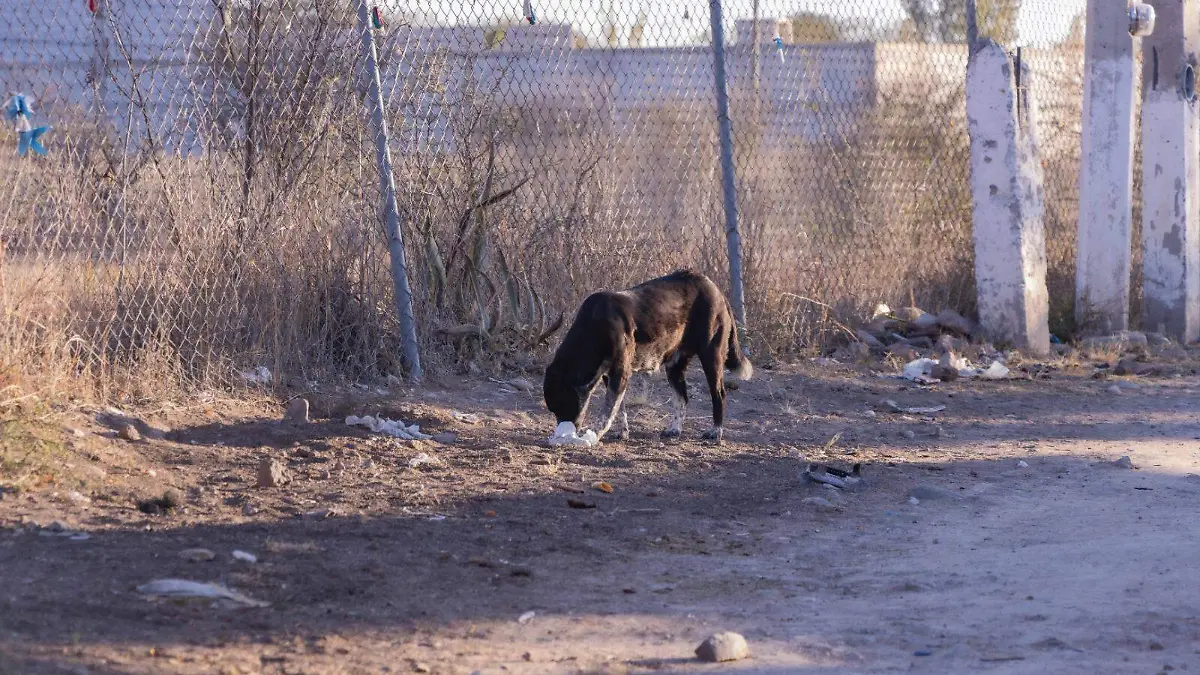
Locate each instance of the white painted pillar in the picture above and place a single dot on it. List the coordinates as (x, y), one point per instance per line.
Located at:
(1106, 171)
(1006, 182)
(1170, 182)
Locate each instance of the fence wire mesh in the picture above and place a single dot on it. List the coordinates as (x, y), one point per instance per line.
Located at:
(210, 197)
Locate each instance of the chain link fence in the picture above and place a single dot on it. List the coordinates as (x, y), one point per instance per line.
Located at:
(210, 198)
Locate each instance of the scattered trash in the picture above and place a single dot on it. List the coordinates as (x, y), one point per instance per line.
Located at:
(580, 504)
(1022, 464)
(566, 434)
(819, 502)
(437, 518)
(243, 556)
(723, 647)
(923, 371)
(466, 418)
(842, 480)
(260, 375)
(525, 618)
(382, 425)
(996, 371)
(197, 555)
(422, 459)
(182, 588)
(518, 383)
(922, 652)
(59, 529)
(603, 487)
(896, 408)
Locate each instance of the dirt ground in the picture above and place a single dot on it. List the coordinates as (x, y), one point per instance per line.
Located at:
(1028, 552)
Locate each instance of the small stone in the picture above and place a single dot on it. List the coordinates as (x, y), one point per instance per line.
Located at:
(249, 510)
(1156, 646)
(419, 667)
(245, 556)
(172, 499)
(909, 434)
(1022, 464)
(197, 555)
(1114, 389)
(723, 647)
(297, 412)
(820, 503)
(129, 432)
(903, 351)
(445, 438)
(870, 414)
(914, 501)
(1125, 367)
(1123, 463)
(954, 322)
(271, 473)
(869, 340)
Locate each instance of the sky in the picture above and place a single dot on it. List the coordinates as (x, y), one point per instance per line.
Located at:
(672, 22)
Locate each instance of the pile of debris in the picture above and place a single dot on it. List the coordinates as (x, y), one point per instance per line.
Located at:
(910, 330)
(933, 347)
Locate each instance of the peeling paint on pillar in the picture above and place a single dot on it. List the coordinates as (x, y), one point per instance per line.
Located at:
(1170, 181)
(1105, 235)
(1006, 182)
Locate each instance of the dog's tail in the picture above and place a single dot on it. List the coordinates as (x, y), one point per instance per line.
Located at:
(735, 360)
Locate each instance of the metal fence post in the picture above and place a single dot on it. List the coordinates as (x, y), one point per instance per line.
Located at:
(733, 238)
(387, 186)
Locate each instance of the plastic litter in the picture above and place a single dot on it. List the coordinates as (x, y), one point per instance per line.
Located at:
(566, 434)
(182, 588)
(383, 425)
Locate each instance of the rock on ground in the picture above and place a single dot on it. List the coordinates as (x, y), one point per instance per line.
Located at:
(297, 412)
(723, 647)
(271, 473)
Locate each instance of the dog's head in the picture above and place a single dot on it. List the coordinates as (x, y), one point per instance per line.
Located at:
(563, 393)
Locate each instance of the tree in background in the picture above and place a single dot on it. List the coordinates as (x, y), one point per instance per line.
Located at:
(946, 20)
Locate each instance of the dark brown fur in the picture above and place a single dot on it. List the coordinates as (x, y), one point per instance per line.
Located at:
(662, 322)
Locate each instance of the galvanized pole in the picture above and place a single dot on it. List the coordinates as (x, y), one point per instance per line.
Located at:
(387, 186)
(733, 239)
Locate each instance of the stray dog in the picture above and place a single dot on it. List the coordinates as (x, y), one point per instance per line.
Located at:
(662, 322)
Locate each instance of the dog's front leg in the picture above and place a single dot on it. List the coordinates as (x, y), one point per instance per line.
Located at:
(618, 382)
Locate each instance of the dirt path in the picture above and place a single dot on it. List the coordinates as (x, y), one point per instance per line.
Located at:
(1065, 564)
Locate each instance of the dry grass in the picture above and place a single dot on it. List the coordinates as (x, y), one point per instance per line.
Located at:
(154, 274)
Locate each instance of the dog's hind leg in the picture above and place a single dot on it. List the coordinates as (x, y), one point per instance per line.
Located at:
(712, 359)
(676, 367)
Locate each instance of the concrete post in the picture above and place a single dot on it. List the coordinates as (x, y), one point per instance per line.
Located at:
(1006, 182)
(1106, 171)
(1170, 182)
